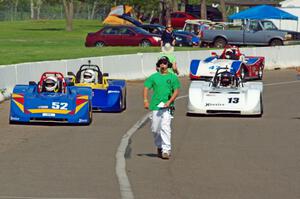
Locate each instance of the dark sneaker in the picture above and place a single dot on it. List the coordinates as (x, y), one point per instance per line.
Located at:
(159, 152)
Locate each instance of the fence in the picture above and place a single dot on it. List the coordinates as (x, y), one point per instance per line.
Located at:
(137, 66)
(9, 11)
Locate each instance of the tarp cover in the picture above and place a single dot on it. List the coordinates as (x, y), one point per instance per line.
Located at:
(263, 12)
(116, 11)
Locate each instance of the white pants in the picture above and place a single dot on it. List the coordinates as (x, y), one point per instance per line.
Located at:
(161, 129)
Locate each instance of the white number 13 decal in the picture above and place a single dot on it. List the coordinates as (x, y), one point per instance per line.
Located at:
(59, 105)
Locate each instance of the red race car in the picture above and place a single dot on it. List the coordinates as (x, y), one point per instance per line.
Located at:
(246, 67)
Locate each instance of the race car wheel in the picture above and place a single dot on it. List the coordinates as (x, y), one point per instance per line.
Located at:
(243, 73)
(260, 73)
(90, 113)
(124, 100)
(220, 42)
(145, 43)
(261, 107)
(99, 44)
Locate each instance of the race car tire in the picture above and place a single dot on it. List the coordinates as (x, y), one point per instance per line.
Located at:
(12, 122)
(145, 43)
(243, 73)
(122, 103)
(90, 113)
(99, 44)
(220, 42)
(261, 107)
(260, 73)
(125, 101)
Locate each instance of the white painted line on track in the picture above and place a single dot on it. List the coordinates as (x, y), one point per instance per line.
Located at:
(282, 83)
(125, 187)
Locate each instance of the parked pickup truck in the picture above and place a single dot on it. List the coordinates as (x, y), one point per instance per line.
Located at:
(254, 32)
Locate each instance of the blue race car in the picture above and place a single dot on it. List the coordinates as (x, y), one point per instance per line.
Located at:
(109, 95)
(51, 100)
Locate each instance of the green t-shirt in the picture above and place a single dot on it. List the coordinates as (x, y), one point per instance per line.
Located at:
(163, 86)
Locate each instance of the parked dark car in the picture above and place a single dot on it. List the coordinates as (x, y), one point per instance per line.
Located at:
(178, 18)
(121, 35)
(212, 13)
(183, 38)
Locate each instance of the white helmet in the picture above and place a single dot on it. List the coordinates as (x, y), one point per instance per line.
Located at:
(228, 53)
(88, 76)
(51, 83)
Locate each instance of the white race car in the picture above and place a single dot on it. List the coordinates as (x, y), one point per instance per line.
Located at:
(225, 94)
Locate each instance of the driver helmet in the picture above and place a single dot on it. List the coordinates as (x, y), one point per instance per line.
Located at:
(51, 84)
(226, 79)
(88, 76)
(229, 53)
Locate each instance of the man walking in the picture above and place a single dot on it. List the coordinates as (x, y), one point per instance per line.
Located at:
(165, 87)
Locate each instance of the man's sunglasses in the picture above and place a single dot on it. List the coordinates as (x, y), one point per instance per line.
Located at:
(163, 62)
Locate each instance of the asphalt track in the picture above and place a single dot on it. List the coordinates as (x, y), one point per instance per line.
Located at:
(212, 157)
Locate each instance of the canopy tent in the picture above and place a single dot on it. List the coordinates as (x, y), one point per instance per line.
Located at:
(293, 7)
(290, 4)
(116, 11)
(263, 12)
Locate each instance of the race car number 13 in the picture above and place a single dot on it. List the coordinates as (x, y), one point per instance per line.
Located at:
(59, 105)
(233, 100)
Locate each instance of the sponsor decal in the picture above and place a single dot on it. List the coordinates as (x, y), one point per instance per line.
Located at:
(214, 67)
(48, 114)
(14, 118)
(82, 120)
(209, 95)
(113, 91)
(214, 104)
(41, 107)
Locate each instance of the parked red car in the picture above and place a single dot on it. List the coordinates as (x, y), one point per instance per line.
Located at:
(122, 36)
(178, 19)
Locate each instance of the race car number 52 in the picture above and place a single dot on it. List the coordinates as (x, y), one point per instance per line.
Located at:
(233, 100)
(59, 105)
